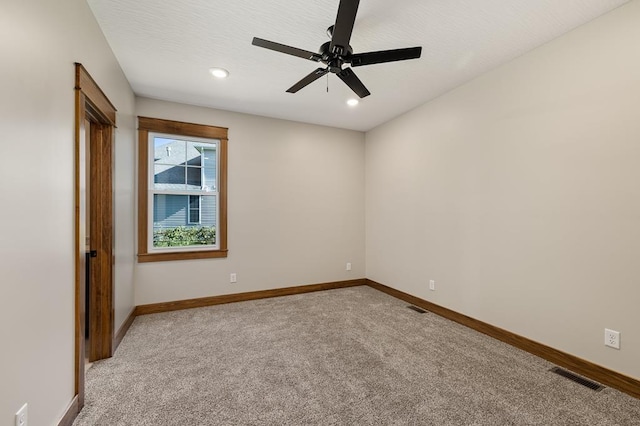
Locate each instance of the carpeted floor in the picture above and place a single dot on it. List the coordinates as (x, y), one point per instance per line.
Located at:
(342, 357)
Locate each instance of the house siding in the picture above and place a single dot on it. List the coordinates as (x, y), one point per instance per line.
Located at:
(208, 208)
(172, 210)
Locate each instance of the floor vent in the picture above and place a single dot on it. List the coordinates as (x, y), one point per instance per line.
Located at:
(415, 308)
(581, 380)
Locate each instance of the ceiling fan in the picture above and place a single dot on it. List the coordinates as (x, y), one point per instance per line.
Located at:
(337, 52)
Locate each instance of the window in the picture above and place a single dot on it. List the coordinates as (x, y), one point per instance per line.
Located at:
(182, 190)
(194, 210)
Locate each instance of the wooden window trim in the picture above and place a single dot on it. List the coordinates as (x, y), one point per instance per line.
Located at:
(146, 125)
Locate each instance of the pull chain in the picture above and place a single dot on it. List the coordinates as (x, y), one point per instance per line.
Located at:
(327, 82)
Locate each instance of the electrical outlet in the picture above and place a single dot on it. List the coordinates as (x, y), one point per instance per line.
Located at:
(21, 416)
(612, 338)
(432, 285)
(233, 278)
(348, 266)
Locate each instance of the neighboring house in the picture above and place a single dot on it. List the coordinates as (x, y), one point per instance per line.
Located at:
(183, 166)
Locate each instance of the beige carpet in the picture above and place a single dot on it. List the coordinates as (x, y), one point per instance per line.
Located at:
(342, 357)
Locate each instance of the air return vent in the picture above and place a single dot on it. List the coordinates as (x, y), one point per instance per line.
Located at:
(581, 380)
(415, 308)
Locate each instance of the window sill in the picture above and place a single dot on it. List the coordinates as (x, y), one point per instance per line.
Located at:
(163, 257)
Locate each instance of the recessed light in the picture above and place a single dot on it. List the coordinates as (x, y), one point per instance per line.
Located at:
(219, 72)
(353, 102)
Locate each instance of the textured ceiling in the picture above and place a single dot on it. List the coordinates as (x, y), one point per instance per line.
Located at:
(166, 48)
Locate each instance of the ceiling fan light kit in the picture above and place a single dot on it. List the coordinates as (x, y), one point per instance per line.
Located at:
(337, 52)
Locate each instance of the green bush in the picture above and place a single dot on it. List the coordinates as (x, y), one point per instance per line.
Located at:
(184, 236)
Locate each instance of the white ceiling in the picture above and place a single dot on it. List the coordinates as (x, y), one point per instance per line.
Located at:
(166, 48)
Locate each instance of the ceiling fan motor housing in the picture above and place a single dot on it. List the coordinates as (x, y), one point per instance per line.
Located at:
(334, 60)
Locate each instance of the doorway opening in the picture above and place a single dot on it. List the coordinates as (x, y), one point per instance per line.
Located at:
(94, 129)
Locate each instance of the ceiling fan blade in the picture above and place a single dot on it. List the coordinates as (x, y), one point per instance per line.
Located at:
(271, 45)
(381, 56)
(313, 76)
(351, 79)
(344, 26)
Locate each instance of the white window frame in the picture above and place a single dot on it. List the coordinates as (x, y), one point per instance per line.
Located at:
(153, 191)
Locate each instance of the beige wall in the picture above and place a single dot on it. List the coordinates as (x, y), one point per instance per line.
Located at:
(296, 204)
(519, 194)
(39, 42)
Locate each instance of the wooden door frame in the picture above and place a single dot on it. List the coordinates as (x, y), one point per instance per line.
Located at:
(92, 104)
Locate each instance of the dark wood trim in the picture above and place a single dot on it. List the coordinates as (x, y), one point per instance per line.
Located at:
(146, 125)
(243, 297)
(70, 415)
(101, 283)
(123, 329)
(143, 188)
(187, 255)
(92, 104)
(100, 103)
(586, 368)
(222, 194)
(181, 128)
(80, 263)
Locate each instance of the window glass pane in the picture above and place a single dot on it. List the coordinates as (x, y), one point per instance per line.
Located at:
(168, 151)
(194, 178)
(169, 177)
(184, 220)
(195, 161)
(194, 215)
(182, 165)
(169, 210)
(194, 154)
(210, 169)
(208, 209)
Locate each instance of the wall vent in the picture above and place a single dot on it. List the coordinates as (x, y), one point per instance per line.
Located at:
(415, 308)
(581, 380)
